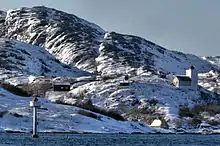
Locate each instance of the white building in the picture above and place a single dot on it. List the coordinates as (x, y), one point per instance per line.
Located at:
(156, 123)
(159, 123)
(190, 80)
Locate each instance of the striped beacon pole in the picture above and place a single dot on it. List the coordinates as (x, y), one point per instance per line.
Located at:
(35, 103)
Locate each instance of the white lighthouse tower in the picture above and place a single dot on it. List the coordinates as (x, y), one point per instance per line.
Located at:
(193, 74)
(35, 104)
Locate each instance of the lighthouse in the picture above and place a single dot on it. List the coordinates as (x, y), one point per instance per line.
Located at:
(35, 103)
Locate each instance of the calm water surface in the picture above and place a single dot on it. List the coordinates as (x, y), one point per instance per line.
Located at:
(109, 139)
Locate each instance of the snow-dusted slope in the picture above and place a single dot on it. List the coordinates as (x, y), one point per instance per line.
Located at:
(215, 60)
(141, 91)
(141, 98)
(125, 53)
(79, 43)
(148, 93)
(29, 59)
(16, 115)
(211, 80)
(71, 39)
(2, 20)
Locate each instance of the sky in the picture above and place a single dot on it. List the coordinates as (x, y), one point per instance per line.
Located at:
(189, 26)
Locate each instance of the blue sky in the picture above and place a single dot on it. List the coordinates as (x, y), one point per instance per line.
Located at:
(190, 26)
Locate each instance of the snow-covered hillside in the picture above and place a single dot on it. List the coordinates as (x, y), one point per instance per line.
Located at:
(85, 45)
(138, 94)
(211, 80)
(146, 94)
(29, 59)
(16, 115)
(71, 39)
(215, 60)
(125, 53)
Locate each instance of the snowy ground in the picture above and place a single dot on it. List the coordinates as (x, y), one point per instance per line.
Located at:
(108, 94)
(147, 64)
(58, 118)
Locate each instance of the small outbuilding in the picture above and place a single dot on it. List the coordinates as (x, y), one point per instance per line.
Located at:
(182, 81)
(61, 86)
(158, 123)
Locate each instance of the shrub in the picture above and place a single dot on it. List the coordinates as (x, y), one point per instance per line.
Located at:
(16, 115)
(194, 122)
(15, 90)
(212, 109)
(89, 106)
(112, 114)
(153, 101)
(199, 112)
(146, 114)
(185, 112)
(214, 123)
(2, 113)
(37, 88)
(88, 114)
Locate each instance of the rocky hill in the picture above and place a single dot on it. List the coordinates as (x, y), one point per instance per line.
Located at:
(44, 43)
(72, 40)
(32, 60)
(79, 43)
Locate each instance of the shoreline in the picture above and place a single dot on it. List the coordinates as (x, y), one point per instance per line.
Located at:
(133, 133)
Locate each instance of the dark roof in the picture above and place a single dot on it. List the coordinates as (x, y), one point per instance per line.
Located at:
(191, 67)
(183, 78)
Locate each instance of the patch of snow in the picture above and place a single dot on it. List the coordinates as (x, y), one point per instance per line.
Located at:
(59, 118)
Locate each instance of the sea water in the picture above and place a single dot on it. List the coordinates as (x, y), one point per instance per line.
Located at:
(109, 139)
